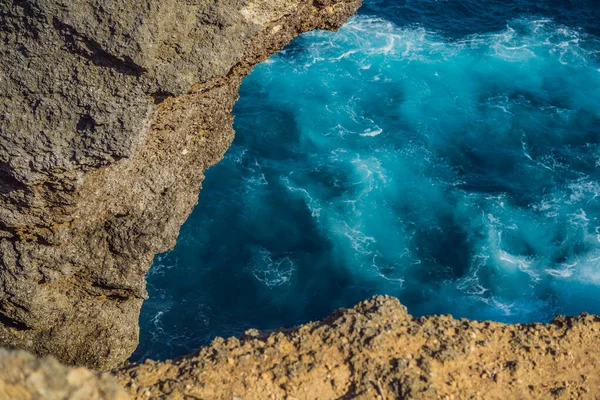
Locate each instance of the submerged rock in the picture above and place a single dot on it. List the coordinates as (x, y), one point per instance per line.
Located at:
(376, 350)
(109, 115)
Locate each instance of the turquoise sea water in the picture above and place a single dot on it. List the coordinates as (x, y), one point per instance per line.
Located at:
(447, 153)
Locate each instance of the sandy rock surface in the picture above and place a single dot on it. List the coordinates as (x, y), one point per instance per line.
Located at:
(25, 377)
(376, 350)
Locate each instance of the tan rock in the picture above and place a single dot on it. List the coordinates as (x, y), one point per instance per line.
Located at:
(25, 377)
(336, 358)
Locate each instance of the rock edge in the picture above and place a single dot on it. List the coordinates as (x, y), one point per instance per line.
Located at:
(376, 350)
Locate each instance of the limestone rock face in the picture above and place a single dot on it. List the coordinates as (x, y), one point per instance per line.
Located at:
(25, 377)
(110, 112)
(376, 350)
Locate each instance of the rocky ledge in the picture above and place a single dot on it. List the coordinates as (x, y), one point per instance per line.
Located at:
(375, 350)
(110, 112)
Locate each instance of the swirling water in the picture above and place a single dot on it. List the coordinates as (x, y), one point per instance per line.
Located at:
(444, 152)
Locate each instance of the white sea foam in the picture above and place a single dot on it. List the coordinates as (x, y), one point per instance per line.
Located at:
(372, 133)
(311, 202)
(564, 270)
(157, 322)
(272, 272)
(375, 36)
(255, 177)
(379, 270)
(505, 308)
(588, 268)
(359, 242)
(471, 284)
(161, 266)
(236, 154)
(583, 189)
(503, 258)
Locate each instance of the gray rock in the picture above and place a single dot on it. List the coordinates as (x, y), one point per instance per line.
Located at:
(111, 111)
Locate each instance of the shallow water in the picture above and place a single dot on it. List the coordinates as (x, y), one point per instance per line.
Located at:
(447, 153)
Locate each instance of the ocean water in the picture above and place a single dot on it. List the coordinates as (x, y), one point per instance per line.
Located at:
(444, 152)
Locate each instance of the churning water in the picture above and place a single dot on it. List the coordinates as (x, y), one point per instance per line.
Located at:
(444, 152)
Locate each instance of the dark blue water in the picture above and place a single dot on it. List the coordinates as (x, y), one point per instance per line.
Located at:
(444, 152)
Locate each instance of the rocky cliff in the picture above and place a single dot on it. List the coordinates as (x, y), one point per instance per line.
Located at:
(111, 110)
(376, 350)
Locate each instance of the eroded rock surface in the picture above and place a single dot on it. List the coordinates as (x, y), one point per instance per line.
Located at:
(25, 377)
(110, 111)
(374, 351)
(378, 351)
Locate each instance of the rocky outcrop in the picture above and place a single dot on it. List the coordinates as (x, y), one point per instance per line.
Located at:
(24, 377)
(110, 111)
(378, 351)
(375, 350)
